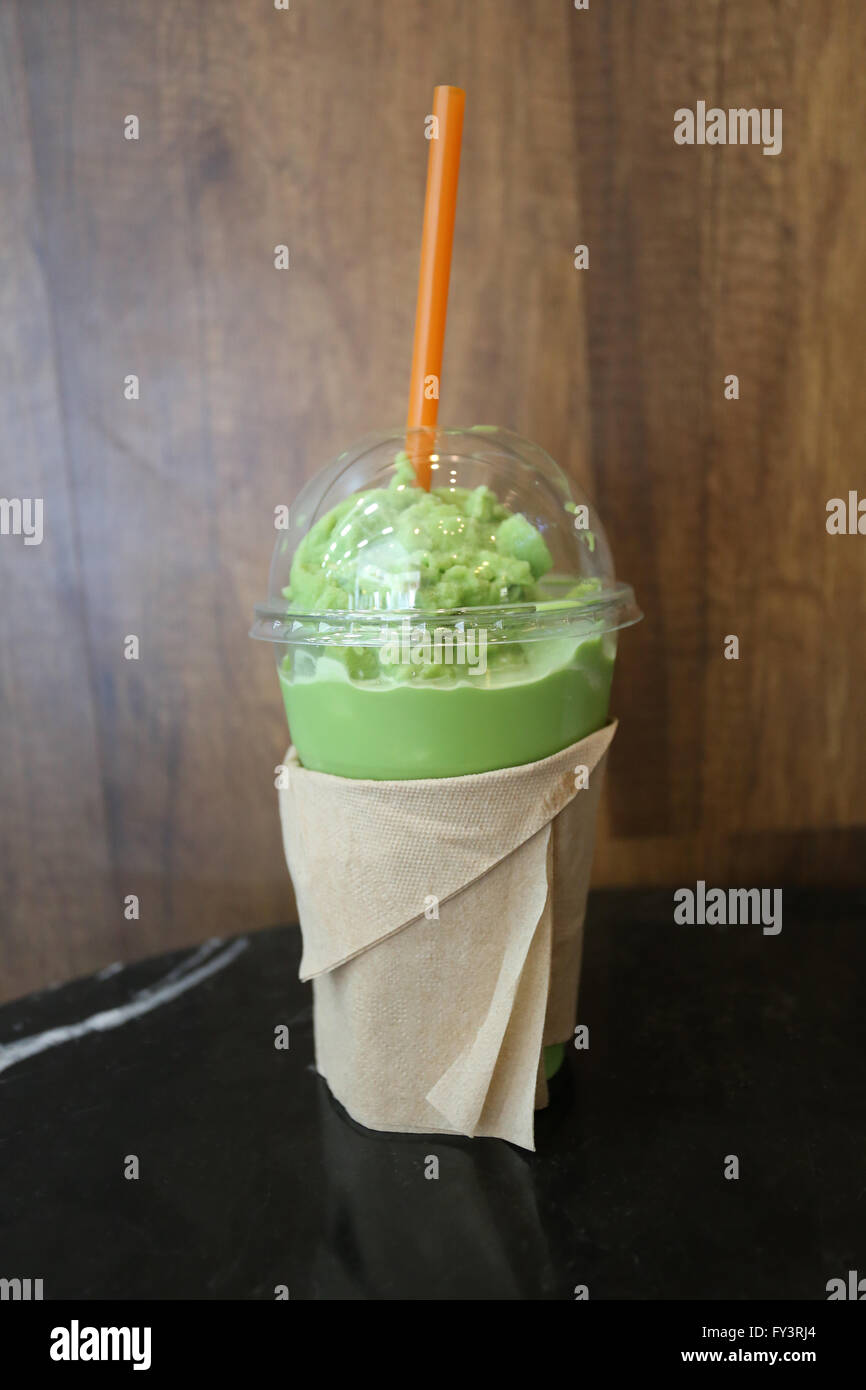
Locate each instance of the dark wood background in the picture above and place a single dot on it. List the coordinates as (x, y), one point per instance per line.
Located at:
(156, 258)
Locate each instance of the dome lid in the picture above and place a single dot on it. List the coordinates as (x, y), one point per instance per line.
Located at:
(502, 540)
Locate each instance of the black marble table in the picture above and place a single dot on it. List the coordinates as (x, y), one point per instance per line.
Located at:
(705, 1042)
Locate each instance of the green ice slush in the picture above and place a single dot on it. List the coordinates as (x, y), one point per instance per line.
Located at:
(412, 706)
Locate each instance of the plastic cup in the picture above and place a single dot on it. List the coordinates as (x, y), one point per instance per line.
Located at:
(425, 635)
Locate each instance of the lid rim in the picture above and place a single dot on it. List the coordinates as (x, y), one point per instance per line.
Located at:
(610, 611)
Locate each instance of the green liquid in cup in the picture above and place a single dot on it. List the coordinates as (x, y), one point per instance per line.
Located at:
(394, 731)
(359, 712)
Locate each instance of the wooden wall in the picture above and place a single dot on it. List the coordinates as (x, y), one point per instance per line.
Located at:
(155, 257)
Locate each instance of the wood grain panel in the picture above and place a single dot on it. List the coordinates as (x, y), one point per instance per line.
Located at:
(59, 912)
(156, 258)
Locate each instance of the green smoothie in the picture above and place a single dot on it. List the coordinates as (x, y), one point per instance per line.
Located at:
(395, 709)
(425, 634)
(388, 730)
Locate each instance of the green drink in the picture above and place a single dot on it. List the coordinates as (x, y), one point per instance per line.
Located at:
(443, 633)
(388, 730)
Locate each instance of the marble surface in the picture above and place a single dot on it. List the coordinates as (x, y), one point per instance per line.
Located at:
(704, 1042)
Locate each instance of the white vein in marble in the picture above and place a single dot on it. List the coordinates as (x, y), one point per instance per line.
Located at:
(183, 977)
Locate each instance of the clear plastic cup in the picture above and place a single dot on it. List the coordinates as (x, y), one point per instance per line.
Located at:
(436, 634)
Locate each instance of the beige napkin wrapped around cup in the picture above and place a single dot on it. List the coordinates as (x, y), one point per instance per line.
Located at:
(442, 922)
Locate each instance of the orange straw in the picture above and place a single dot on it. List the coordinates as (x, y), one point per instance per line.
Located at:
(440, 205)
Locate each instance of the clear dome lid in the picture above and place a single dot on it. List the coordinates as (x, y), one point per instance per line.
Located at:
(501, 540)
